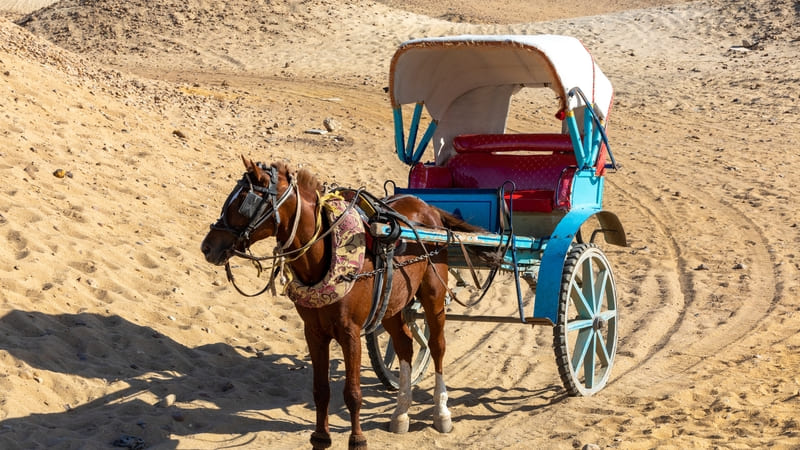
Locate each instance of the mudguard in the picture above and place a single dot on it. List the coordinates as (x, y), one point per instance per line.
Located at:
(548, 286)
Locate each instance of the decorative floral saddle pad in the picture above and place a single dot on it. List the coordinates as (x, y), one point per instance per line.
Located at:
(348, 242)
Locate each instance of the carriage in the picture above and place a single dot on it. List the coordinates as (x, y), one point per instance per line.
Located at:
(534, 193)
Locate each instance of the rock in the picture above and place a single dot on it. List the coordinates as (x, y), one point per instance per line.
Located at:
(179, 134)
(739, 266)
(60, 173)
(590, 447)
(130, 442)
(330, 124)
(701, 267)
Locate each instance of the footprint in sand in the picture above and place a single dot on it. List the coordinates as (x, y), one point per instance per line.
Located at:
(18, 243)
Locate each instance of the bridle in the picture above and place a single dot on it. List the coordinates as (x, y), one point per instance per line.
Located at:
(259, 205)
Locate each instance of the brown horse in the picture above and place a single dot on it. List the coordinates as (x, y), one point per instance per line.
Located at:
(286, 207)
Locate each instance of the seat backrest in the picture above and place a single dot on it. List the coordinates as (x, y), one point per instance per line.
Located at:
(531, 161)
(499, 143)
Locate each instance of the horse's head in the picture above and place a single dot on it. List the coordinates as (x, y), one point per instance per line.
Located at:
(252, 212)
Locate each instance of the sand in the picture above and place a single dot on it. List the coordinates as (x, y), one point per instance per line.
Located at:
(112, 323)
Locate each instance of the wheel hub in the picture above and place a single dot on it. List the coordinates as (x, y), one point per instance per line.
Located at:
(599, 324)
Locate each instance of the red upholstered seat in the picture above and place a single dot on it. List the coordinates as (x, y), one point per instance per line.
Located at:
(429, 177)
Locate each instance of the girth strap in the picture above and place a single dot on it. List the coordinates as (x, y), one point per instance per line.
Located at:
(382, 285)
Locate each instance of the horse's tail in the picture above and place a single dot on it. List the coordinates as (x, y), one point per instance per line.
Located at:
(493, 257)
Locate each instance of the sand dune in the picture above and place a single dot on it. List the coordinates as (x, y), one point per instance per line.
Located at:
(113, 324)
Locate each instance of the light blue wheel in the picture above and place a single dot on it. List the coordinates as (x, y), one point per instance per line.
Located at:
(585, 337)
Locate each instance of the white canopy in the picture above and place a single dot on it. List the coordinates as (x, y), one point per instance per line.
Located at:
(466, 82)
(437, 71)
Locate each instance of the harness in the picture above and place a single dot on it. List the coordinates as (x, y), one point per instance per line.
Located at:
(262, 203)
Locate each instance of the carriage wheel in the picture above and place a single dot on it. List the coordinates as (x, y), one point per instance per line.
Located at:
(383, 358)
(585, 337)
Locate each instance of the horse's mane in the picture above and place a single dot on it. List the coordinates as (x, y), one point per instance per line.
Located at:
(305, 178)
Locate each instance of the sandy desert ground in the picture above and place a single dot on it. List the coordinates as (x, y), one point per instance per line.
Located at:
(112, 323)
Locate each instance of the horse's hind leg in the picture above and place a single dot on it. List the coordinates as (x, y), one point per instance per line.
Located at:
(432, 294)
(401, 340)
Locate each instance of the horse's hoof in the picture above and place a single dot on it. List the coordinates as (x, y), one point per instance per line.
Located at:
(320, 441)
(443, 424)
(357, 441)
(399, 424)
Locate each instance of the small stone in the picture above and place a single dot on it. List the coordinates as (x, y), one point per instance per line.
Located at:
(739, 266)
(701, 267)
(591, 447)
(60, 173)
(177, 416)
(330, 124)
(179, 134)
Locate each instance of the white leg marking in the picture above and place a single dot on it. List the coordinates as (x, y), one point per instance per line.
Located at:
(400, 420)
(441, 415)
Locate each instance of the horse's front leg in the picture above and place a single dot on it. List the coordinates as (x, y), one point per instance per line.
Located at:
(351, 350)
(319, 348)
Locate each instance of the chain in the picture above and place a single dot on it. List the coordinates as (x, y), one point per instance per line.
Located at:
(357, 276)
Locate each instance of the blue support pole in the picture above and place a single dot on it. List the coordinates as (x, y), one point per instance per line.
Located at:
(424, 142)
(588, 131)
(412, 133)
(398, 133)
(575, 136)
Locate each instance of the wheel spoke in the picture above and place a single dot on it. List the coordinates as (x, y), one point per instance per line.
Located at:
(602, 350)
(388, 357)
(583, 306)
(581, 347)
(600, 289)
(579, 324)
(418, 335)
(587, 282)
(589, 361)
(608, 315)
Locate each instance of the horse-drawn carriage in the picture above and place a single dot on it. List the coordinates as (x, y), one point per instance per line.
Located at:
(532, 192)
(522, 197)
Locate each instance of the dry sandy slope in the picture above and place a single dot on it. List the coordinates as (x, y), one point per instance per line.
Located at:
(108, 306)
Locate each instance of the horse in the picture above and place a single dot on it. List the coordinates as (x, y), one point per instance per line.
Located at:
(271, 201)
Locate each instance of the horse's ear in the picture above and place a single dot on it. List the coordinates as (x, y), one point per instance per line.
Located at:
(248, 164)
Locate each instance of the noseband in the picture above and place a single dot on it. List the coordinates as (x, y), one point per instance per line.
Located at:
(259, 205)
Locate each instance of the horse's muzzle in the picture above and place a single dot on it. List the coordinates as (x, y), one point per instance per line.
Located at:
(215, 253)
